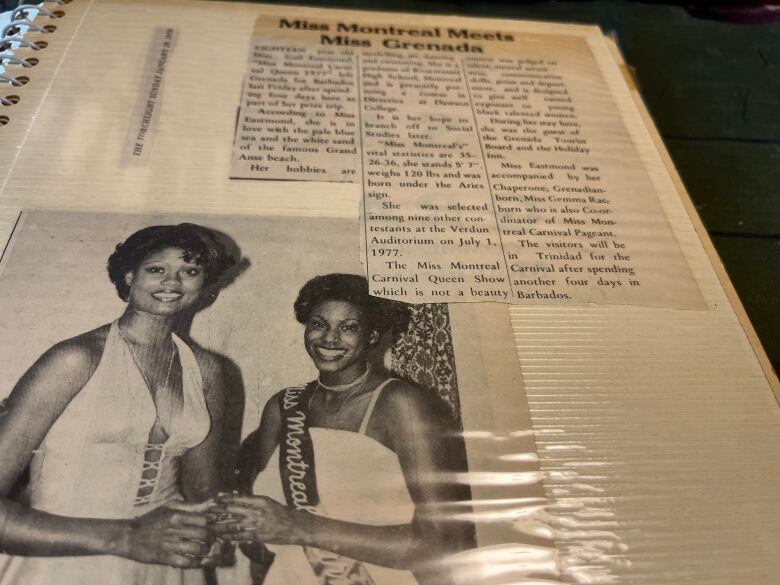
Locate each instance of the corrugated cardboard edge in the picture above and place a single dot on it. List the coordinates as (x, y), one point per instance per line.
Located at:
(701, 231)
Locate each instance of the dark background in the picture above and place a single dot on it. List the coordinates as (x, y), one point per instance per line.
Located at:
(709, 73)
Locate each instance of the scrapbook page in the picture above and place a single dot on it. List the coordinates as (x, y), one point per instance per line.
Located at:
(210, 371)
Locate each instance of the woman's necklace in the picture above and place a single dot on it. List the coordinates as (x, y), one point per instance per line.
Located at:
(340, 388)
(162, 390)
(355, 385)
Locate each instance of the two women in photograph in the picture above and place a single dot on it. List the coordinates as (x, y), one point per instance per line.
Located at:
(121, 426)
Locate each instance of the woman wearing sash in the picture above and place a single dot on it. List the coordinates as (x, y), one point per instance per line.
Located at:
(365, 463)
(120, 426)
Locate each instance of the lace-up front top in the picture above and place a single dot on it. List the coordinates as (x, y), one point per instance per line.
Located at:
(97, 461)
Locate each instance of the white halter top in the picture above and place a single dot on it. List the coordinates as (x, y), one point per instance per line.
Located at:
(95, 457)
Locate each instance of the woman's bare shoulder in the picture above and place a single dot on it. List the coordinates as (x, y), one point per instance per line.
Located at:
(272, 411)
(399, 390)
(64, 368)
(210, 362)
(402, 400)
(82, 352)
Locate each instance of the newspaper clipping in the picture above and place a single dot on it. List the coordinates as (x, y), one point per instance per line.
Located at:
(494, 166)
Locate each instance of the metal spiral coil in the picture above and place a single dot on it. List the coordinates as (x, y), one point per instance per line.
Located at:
(12, 39)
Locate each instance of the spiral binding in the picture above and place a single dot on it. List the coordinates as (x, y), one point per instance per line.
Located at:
(11, 39)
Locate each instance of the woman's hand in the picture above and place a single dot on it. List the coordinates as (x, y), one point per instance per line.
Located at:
(167, 536)
(259, 519)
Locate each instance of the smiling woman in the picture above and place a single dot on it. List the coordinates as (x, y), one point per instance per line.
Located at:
(365, 462)
(69, 418)
(172, 277)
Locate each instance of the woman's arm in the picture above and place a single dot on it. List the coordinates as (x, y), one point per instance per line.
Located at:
(257, 449)
(431, 454)
(39, 398)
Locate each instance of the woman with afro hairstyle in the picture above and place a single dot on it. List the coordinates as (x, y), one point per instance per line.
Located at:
(365, 464)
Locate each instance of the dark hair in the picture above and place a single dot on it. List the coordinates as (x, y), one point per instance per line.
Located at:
(200, 245)
(380, 314)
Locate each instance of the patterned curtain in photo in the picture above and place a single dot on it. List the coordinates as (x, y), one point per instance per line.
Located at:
(423, 353)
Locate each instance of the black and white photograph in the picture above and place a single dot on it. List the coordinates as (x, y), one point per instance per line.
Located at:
(219, 399)
(389, 293)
